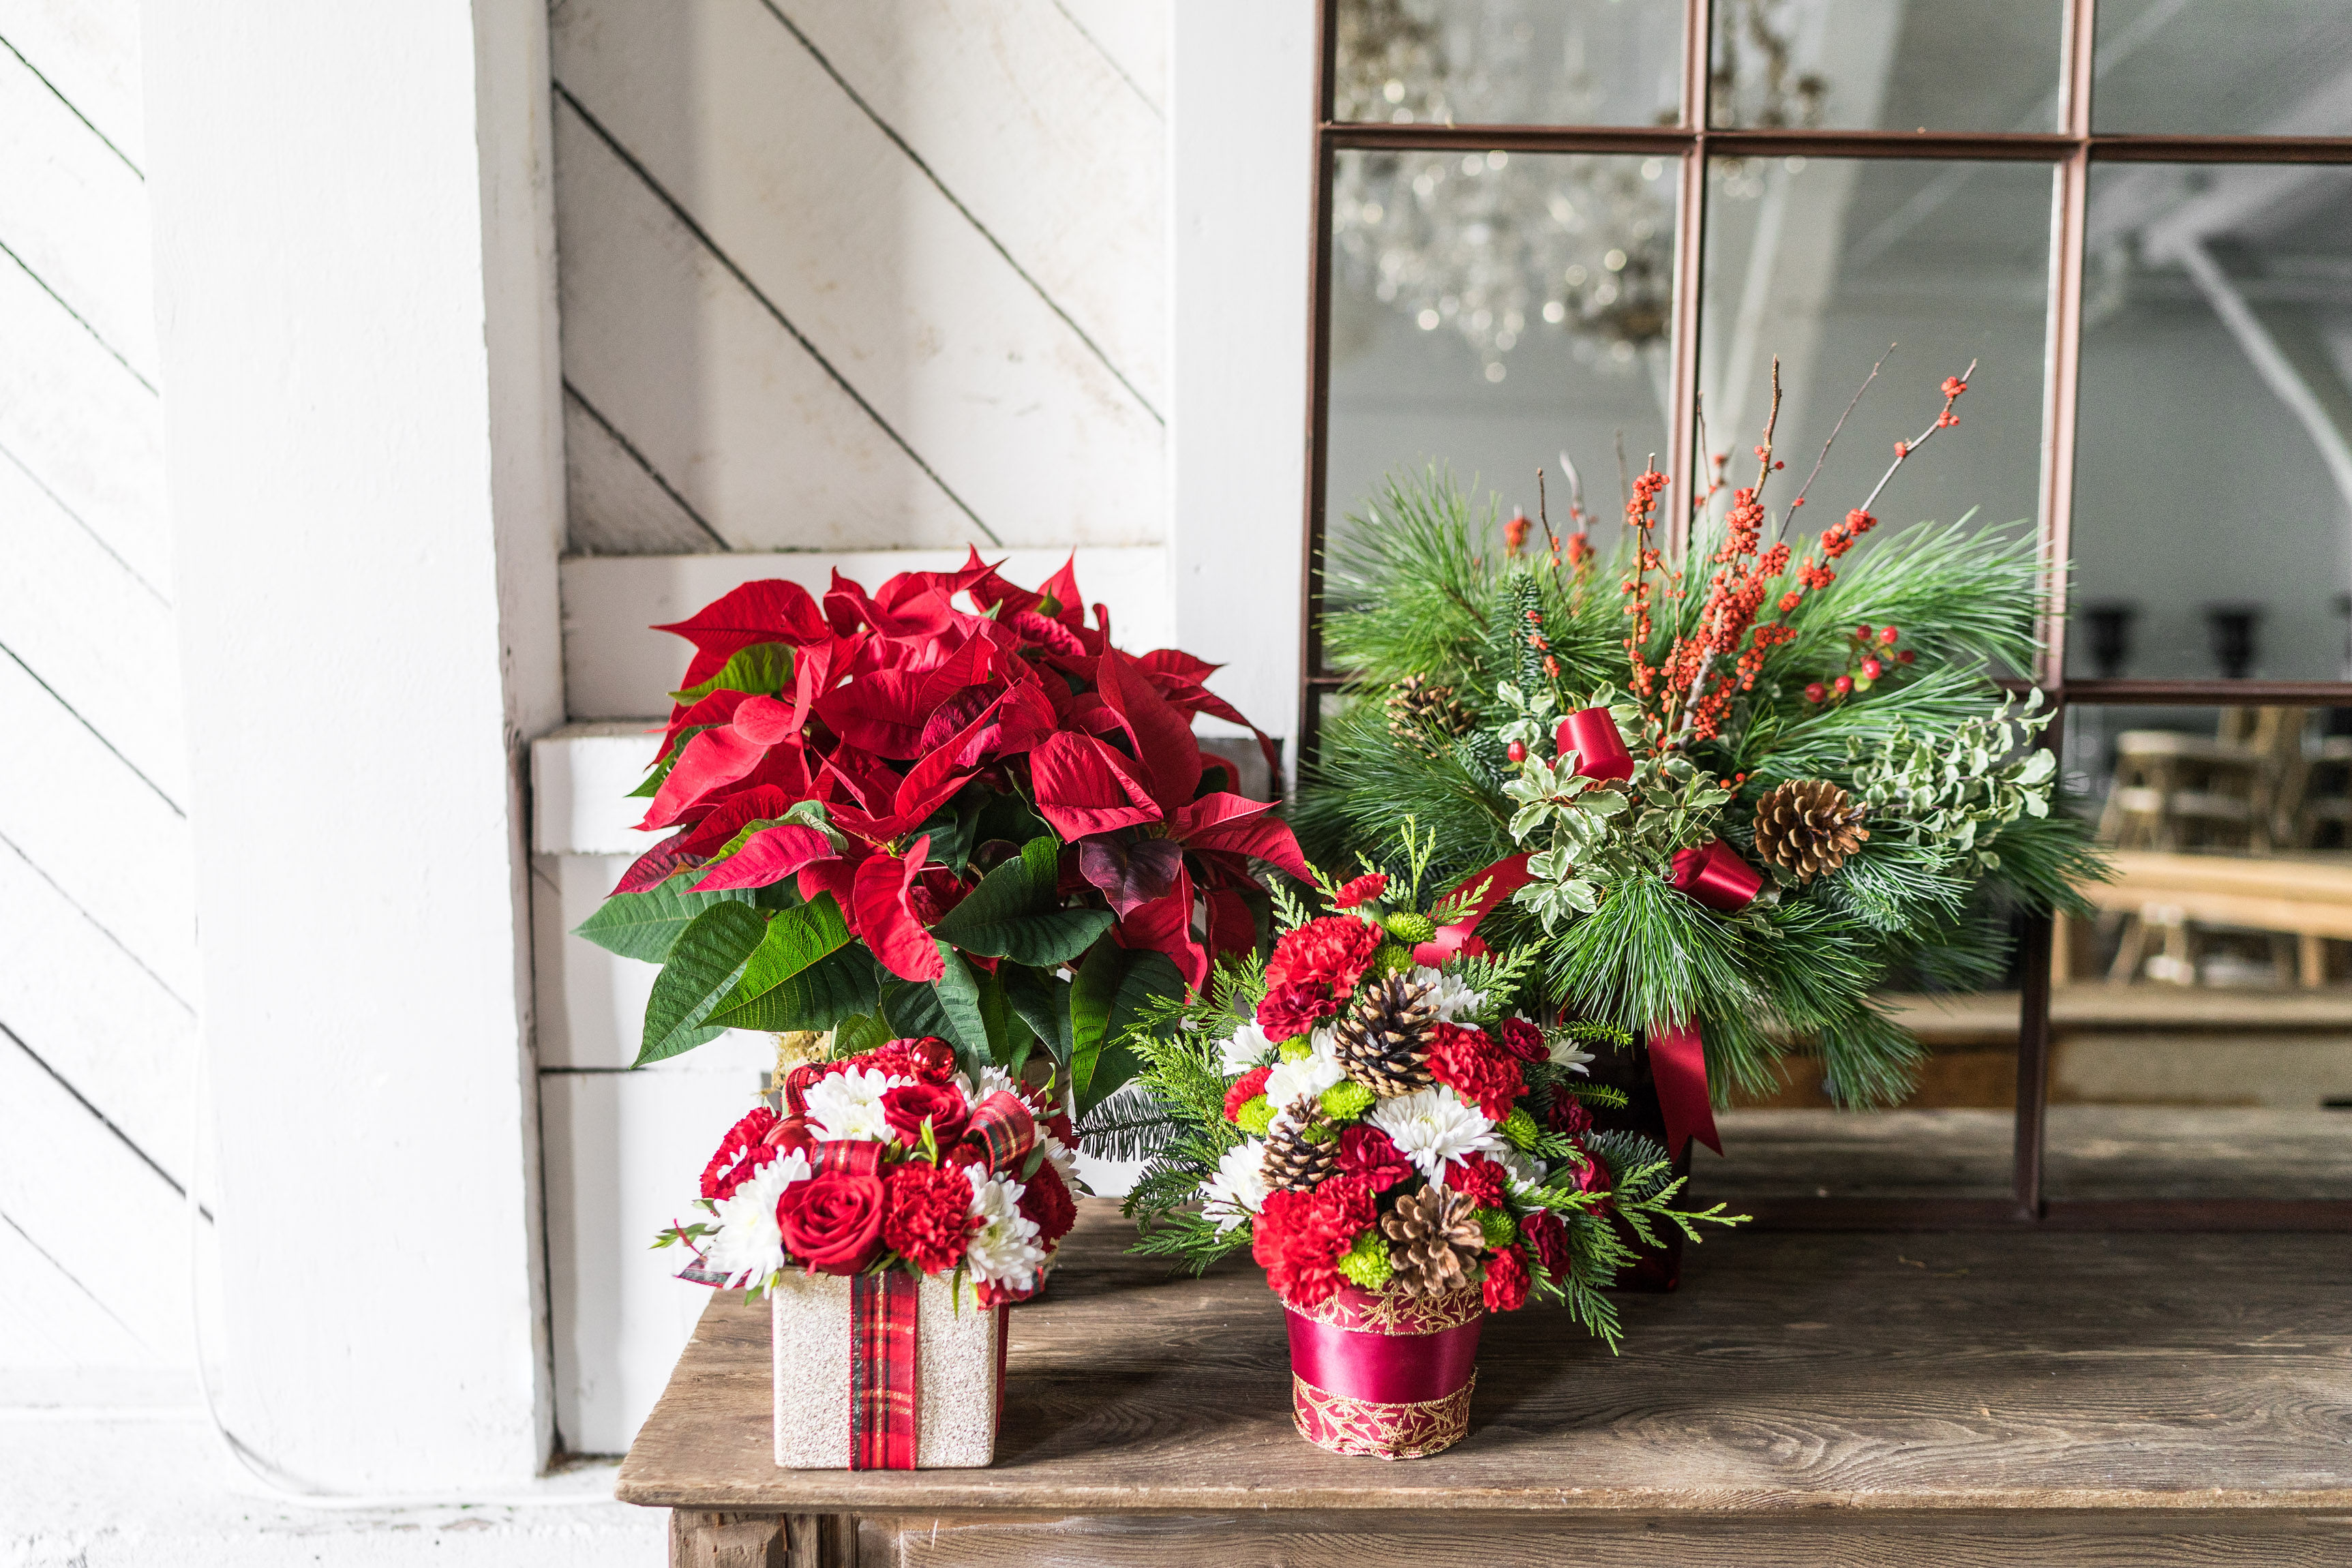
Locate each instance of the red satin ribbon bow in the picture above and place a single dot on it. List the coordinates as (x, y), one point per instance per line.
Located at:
(1592, 734)
(1501, 880)
(1716, 876)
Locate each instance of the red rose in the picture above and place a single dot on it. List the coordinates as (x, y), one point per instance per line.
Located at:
(1330, 951)
(1524, 1040)
(927, 1215)
(1569, 1115)
(1361, 890)
(1545, 1232)
(1365, 1150)
(1468, 1062)
(942, 1105)
(1294, 1008)
(1246, 1088)
(741, 1152)
(1480, 1179)
(833, 1221)
(1507, 1280)
(1045, 1199)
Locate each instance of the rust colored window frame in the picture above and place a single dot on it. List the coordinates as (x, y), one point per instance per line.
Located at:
(2070, 151)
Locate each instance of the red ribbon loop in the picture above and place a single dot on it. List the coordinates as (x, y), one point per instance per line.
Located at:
(1716, 876)
(1001, 1132)
(1599, 747)
(850, 1156)
(1678, 1068)
(1501, 880)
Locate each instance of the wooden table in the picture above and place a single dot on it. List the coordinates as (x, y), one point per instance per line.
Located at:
(2307, 896)
(1815, 1399)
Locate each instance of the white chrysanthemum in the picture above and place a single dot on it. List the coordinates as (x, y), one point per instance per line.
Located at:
(1567, 1053)
(848, 1105)
(1450, 995)
(1235, 1193)
(993, 1080)
(1309, 1076)
(1060, 1156)
(1433, 1126)
(1527, 1172)
(1004, 1250)
(750, 1247)
(1248, 1048)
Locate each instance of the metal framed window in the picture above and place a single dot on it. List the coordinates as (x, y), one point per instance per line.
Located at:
(2148, 107)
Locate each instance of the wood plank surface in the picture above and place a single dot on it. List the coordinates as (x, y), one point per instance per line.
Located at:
(1792, 1375)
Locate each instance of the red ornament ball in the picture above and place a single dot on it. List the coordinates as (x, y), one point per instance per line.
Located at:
(1845, 684)
(1872, 668)
(1517, 750)
(1816, 691)
(1887, 634)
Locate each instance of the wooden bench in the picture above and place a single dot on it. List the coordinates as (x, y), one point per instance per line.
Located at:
(2307, 897)
(1805, 1398)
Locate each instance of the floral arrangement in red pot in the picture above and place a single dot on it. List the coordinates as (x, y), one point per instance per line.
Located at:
(948, 809)
(1402, 1149)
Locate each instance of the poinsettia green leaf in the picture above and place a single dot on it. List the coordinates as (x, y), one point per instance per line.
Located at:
(864, 1032)
(842, 984)
(1043, 1003)
(646, 925)
(957, 990)
(702, 968)
(796, 938)
(763, 668)
(1113, 985)
(1012, 915)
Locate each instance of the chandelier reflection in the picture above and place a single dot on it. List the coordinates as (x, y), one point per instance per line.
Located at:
(1495, 246)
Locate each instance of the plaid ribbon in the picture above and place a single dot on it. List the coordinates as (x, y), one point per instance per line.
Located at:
(851, 1157)
(1001, 1132)
(883, 1384)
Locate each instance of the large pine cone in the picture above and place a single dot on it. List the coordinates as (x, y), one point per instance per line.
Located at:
(1383, 1041)
(1301, 1147)
(1425, 715)
(1435, 1240)
(1807, 826)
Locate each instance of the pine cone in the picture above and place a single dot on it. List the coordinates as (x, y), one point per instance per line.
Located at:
(1808, 826)
(1383, 1041)
(1435, 1239)
(1425, 715)
(1301, 1147)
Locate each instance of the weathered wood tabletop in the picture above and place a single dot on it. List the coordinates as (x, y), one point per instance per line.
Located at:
(2133, 1398)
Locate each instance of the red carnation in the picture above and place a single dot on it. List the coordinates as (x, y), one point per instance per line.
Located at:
(1524, 1040)
(1362, 889)
(1246, 1088)
(833, 1221)
(1294, 1008)
(927, 1214)
(1468, 1062)
(1546, 1233)
(1480, 1179)
(908, 1107)
(1507, 1280)
(1045, 1199)
(1569, 1115)
(1347, 1205)
(1331, 951)
(1299, 1237)
(1365, 1150)
(741, 1154)
(1595, 1177)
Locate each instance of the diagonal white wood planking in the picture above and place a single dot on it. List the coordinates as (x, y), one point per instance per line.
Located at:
(1133, 35)
(1030, 125)
(48, 1320)
(75, 216)
(77, 812)
(682, 358)
(109, 1027)
(88, 52)
(91, 631)
(893, 286)
(614, 505)
(83, 427)
(117, 1226)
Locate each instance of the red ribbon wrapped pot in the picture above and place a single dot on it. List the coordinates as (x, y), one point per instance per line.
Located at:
(1384, 1373)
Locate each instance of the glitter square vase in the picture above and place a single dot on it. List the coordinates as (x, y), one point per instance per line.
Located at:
(845, 1394)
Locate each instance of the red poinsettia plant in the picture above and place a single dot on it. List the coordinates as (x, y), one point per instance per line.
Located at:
(890, 1159)
(949, 808)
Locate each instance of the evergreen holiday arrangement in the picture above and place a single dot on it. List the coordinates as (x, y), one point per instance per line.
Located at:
(1733, 792)
(1400, 1147)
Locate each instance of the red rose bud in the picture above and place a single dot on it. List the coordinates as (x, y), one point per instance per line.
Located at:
(1546, 1233)
(942, 1105)
(1888, 635)
(833, 1222)
(1816, 691)
(1524, 1040)
(1872, 668)
(1843, 683)
(1594, 1177)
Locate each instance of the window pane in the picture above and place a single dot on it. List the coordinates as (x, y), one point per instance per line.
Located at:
(1510, 62)
(1490, 311)
(2202, 1024)
(1825, 263)
(2213, 481)
(2223, 68)
(1955, 64)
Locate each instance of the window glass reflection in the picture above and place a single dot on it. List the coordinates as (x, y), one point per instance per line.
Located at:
(1509, 62)
(1862, 65)
(2223, 68)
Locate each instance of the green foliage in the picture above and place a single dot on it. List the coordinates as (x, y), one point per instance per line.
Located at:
(1114, 986)
(1941, 792)
(763, 668)
(702, 967)
(646, 925)
(1014, 913)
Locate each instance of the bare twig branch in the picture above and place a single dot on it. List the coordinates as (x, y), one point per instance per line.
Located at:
(1908, 447)
(1807, 485)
